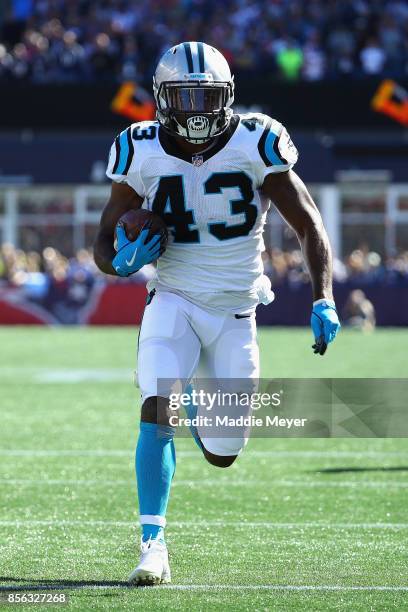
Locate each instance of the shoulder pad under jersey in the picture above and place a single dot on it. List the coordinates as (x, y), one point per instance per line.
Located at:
(123, 161)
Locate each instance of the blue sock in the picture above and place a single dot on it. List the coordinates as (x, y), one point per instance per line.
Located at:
(155, 467)
(191, 412)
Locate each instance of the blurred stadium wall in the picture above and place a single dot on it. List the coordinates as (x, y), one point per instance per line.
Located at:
(58, 121)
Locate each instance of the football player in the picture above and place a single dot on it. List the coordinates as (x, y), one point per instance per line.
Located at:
(210, 174)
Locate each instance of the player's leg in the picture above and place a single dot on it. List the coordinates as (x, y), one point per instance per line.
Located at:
(230, 363)
(191, 412)
(168, 351)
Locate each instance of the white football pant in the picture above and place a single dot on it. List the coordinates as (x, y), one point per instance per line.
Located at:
(179, 340)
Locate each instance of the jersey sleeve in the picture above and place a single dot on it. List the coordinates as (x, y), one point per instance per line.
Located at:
(123, 166)
(275, 150)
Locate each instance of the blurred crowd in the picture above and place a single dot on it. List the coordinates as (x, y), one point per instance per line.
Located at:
(76, 275)
(34, 269)
(59, 284)
(361, 265)
(63, 286)
(105, 40)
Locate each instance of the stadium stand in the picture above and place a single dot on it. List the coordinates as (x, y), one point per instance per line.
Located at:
(89, 40)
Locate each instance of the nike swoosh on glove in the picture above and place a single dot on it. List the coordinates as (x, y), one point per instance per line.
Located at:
(132, 256)
(325, 324)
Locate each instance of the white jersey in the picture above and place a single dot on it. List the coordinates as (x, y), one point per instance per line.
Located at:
(211, 204)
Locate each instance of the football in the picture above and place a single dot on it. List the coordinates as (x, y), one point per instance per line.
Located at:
(134, 220)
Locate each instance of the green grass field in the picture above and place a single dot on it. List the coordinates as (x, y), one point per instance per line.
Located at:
(273, 532)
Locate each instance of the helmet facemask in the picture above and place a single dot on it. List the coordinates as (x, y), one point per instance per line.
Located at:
(195, 110)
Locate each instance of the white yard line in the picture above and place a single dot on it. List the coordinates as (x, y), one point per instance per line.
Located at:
(196, 453)
(62, 482)
(200, 524)
(280, 587)
(210, 587)
(69, 375)
(338, 484)
(65, 453)
(304, 484)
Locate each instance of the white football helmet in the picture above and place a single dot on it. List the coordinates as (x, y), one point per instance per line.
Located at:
(194, 89)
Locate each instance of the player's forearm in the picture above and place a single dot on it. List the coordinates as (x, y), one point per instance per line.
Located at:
(291, 197)
(317, 253)
(104, 253)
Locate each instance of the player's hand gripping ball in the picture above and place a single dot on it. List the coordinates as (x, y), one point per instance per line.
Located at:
(325, 324)
(140, 238)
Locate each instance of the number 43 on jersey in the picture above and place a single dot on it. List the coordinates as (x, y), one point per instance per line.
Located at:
(170, 194)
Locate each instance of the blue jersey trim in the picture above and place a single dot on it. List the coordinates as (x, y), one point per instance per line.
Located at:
(124, 152)
(268, 147)
(270, 150)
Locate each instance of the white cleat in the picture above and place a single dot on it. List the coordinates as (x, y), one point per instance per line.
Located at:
(154, 566)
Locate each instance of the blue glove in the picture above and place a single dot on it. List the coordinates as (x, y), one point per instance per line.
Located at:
(132, 256)
(325, 324)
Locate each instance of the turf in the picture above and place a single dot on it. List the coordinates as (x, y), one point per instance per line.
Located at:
(273, 532)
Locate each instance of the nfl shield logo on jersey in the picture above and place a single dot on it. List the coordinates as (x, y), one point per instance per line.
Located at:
(197, 160)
